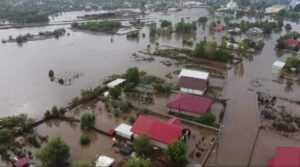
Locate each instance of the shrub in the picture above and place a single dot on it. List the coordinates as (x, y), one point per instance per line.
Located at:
(140, 162)
(132, 119)
(88, 121)
(5, 136)
(115, 92)
(143, 111)
(142, 146)
(207, 119)
(84, 140)
(83, 163)
(176, 153)
(47, 115)
(125, 106)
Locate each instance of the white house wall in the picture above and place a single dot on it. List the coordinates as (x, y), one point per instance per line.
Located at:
(192, 91)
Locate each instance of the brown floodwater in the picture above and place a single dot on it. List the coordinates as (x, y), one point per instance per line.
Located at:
(26, 88)
(70, 133)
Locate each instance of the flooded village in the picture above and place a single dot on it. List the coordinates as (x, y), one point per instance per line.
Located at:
(150, 83)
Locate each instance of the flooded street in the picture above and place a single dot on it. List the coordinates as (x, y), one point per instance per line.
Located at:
(241, 120)
(26, 87)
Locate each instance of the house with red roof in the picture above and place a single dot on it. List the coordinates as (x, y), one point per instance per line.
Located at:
(219, 27)
(286, 157)
(193, 82)
(23, 162)
(161, 133)
(190, 105)
(292, 43)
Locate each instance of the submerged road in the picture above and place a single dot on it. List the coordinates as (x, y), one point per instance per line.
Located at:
(241, 119)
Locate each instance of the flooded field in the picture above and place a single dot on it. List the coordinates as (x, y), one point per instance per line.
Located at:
(26, 88)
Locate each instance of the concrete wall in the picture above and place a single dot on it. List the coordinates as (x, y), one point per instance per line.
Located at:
(192, 91)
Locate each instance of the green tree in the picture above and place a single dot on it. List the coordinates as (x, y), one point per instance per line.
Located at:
(142, 146)
(176, 153)
(55, 153)
(84, 140)
(202, 19)
(132, 75)
(207, 119)
(138, 162)
(288, 27)
(83, 163)
(5, 135)
(200, 48)
(152, 30)
(293, 62)
(88, 120)
(115, 92)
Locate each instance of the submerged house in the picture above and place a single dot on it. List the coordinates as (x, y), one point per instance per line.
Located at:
(254, 31)
(286, 157)
(160, 133)
(292, 43)
(275, 9)
(219, 27)
(190, 105)
(193, 82)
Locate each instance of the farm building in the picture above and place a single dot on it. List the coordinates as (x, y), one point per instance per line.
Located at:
(193, 82)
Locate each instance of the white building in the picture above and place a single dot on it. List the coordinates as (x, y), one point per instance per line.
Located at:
(115, 83)
(277, 66)
(104, 161)
(232, 5)
(275, 9)
(124, 131)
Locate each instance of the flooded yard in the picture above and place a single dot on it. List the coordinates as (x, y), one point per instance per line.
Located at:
(70, 133)
(26, 88)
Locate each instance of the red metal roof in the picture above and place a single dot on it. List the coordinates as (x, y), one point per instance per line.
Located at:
(193, 83)
(286, 157)
(23, 162)
(219, 27)
(156, 129)
(291, 42)
(190, 103)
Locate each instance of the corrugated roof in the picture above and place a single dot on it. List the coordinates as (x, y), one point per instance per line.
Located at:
(194, 74)
(190, 103)
(115, 83)
(124, 128)
(193, 83)
(156, 129)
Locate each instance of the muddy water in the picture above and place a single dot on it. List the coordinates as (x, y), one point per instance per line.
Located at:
(71, 133)
(241, 120)
(25, 84)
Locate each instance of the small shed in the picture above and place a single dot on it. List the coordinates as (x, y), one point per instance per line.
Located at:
(124, 130)
(104, 161)
(115, 83)
(277, 66)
